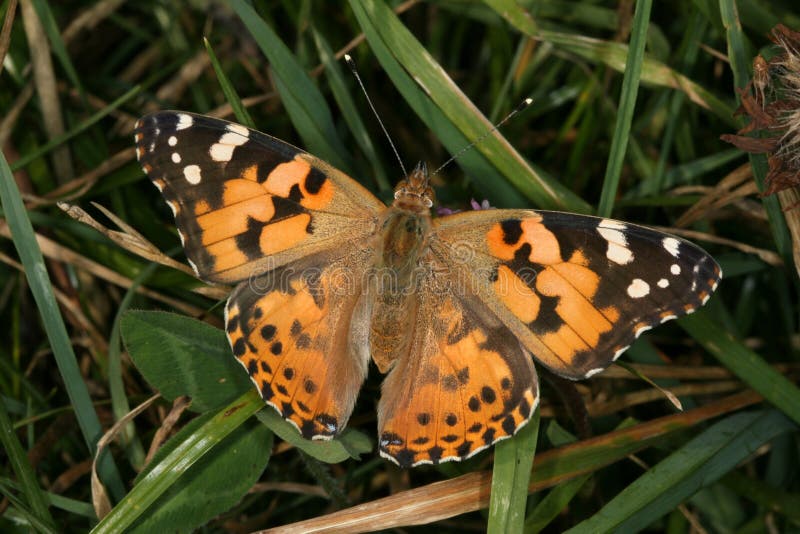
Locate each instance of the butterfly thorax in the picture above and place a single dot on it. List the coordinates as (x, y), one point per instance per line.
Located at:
(404, 234)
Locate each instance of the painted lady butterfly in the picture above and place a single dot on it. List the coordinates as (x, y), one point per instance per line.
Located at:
(452, 308)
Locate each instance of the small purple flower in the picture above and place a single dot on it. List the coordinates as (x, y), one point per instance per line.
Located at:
(483, 205)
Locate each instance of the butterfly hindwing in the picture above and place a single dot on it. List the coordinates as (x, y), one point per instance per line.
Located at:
(245, 202)
(464, 383)
(289, 328)
(576, 290)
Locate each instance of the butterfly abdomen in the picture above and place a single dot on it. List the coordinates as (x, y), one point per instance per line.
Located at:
(394, 283)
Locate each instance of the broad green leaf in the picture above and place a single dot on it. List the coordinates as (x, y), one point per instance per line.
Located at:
(165, 474)
(179, 356)
(213, 484)
(350, 444)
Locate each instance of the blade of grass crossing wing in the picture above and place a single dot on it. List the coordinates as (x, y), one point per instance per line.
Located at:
(627, 104)
(699, 463)
(231, 96)
(744, 363)
(350, 110)
(161, 477)
(381, 24)
(303, 100)
(41, 287)
(740, 64)
(34, 495)
(511, 474)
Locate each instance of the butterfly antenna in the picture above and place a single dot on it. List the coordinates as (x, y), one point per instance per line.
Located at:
(524, 104)
(352, 65)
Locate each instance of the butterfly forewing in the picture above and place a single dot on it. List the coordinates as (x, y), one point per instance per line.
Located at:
(576, 290)
(245, 202)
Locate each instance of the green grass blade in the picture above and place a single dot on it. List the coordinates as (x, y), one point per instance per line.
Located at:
(168, 471)
(560, 496)
(627, 105)
(511, 474)
(615, 55)
(50, 145)
(239, 110)
(700, 462)
(19, 513)
(45, 15)
(39, 281)
(350, 110)
(29, 486)
(390, 38)
(743, 362)
(304, 102)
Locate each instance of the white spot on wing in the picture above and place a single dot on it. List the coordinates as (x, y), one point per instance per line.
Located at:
(172, 141)
(675, 269)
(152, 146)
(222, 150)
(618, 250)
(671, 245)
(194, 268)
(619, 353)
(668, 318)
(239, 129)
(184, 121)
(638, 289)
(192, 174)
(176, 158)
(612, 224)
(173, 207)
(642, 330)
(592, 372)
(663, 283)
(139, 152)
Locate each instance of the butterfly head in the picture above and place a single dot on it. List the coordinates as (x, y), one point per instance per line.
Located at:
(415, 192)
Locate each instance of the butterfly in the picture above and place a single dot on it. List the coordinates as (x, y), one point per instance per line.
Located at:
(454, 309)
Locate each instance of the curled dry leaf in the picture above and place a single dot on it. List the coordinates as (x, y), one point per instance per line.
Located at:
(771, 100)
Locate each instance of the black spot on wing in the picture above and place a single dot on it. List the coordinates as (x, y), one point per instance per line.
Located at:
(314, 181)
(512, 230)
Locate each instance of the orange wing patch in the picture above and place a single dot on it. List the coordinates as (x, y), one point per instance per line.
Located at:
(465, 384)
(290, 332)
